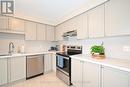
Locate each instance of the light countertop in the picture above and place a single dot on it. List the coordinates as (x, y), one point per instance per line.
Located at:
(28, 54)
(120, 64)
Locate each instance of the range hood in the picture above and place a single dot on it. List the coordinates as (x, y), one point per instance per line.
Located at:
(70, 34)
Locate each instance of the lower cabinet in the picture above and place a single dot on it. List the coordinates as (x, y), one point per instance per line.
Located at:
(91, 75)
(85, 74)
(17, 68)
(76, 73)
(12, 69)
(47, 63)
(54, 62)
(115, 78)
(3, 71)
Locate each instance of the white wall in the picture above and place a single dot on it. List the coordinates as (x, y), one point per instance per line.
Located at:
(113, 45)
(37, 46)
(5, 39)
(18, 40)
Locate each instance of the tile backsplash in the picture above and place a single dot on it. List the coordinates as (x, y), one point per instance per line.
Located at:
(113, 45)
(18, 40)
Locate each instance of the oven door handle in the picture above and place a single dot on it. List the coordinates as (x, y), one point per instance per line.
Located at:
(66, 58)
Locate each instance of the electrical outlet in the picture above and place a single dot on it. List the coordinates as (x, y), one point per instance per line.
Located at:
(126, 48)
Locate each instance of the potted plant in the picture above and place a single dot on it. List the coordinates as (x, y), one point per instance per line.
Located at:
(98, 51)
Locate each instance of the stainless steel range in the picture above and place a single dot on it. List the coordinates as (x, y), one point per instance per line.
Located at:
(63, 63)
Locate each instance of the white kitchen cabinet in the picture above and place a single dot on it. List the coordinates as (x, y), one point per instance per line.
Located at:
(50, 33)
(115, 78)
(59, 32)
(41, 32)
(4, 21)
(82, 26)
(47, 63)
(17, 68)
(117, 17)
(96, 22)
(3, 71)
(91, 75)
(16, 24)
(85, 74)
(77, 73)
(30, 30)
(54, 62)
(69, 25)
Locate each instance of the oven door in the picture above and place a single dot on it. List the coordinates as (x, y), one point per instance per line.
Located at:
(63, 64)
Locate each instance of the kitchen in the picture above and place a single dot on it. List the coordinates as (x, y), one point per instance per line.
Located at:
(85, 45)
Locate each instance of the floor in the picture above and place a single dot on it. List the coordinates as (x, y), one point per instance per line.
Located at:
(48, 80)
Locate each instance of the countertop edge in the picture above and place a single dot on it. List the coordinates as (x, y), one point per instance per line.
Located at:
(116, 66)
(29, 54)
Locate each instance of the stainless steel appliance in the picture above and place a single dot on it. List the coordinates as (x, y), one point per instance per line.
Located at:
(70, 33)
(63, 63)
(34, 66)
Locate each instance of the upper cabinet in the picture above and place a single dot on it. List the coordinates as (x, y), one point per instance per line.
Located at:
(30, 30)
(11, 25)
(4, 23)
(96, 22)
(37, 31)
(117, 17)
(59, 32)
(82, 26)
(16, 24)
(50, 33)
(69, 25)
(41, 32)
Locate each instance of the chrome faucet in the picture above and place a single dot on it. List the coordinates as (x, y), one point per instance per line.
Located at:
(11, 47)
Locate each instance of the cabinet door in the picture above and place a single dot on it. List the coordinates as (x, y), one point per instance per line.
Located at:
(81, 26)
(47, 63)
(69, 25)
(49, 33)
(3, 72)
(16, 24)
(41, 31)
(54, 62)
(96, 22)
(59, 32)
(114, 78)
(4, 23)
(76, 73)
(30, 30)
(91, 75)
(117, 16)
(17, 68)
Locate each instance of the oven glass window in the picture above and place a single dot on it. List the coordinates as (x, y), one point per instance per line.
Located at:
(63, 63)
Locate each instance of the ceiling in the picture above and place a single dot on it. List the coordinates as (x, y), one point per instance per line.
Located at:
(51, 11)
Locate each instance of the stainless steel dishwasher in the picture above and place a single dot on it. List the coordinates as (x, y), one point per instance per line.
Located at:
(35, 66)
